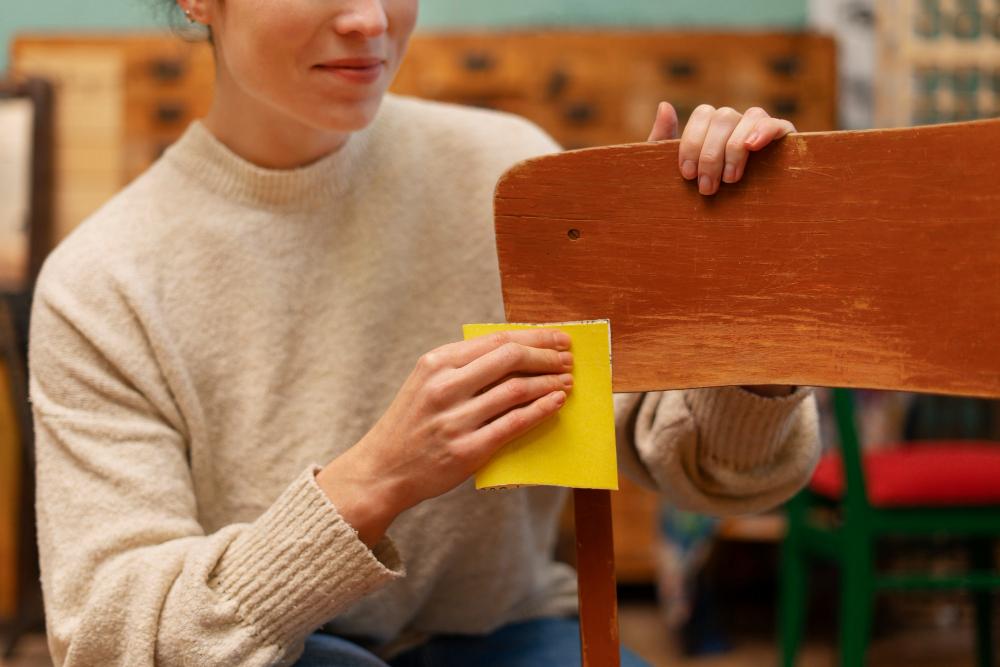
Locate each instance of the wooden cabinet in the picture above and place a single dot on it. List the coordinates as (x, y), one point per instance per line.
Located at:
(122, 99)
(593, 88)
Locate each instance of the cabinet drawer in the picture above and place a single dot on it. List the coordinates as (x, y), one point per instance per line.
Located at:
(467, 66)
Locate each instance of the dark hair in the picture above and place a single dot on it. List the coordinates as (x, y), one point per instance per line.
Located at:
(171, 12)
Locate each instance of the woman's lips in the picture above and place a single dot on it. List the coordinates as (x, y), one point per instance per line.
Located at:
(355, 70)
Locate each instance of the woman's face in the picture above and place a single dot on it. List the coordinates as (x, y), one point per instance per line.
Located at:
(325, 63)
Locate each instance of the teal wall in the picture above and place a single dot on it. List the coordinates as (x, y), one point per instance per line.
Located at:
(18, 15)
(449, 13)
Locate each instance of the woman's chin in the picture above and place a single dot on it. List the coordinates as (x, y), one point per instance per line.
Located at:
(349, 117)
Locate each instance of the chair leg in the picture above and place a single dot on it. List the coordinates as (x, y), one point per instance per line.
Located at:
(983, 560)
(856, 600)
(792, 598)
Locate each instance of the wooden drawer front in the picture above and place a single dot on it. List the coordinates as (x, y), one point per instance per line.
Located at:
(603, 87)
(168, 67)
(170, 84)
(790, 76)
(470, 67)
(164, 116)
(89, 95)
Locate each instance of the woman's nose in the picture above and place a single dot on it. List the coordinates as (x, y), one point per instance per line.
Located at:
(362, 16)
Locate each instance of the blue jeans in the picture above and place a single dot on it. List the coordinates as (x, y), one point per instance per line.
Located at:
(544, 642)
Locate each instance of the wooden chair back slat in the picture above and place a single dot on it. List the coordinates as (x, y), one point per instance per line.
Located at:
(849, 259)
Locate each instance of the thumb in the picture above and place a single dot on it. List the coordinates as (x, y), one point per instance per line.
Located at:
(665, 125)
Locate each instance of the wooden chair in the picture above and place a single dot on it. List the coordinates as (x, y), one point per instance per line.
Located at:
(842, 259)
(929, 489)
(20, 595)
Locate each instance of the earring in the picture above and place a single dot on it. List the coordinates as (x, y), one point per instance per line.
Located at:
(190, 18)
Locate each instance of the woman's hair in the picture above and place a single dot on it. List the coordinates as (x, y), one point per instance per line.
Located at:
(171, 13)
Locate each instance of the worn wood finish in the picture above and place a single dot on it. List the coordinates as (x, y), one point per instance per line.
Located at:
(850, 259)
(595, 566)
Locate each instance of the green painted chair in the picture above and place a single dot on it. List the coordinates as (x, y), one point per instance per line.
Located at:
(916, 490)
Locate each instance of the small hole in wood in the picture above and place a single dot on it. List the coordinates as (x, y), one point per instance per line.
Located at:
(573, 234)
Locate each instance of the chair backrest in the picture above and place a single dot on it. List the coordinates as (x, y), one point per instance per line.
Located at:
(851, 259)
(24, 249)
(845, 259)
(32, 98)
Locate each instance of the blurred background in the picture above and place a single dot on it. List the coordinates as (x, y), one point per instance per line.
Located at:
(92, 91)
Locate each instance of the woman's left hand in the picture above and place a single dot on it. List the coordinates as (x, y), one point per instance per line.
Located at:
(714, 148)
(717, 142)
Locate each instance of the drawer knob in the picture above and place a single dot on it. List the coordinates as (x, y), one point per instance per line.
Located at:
(580, 112)
(786, 65)
(557, 83)
(786, 106)
(478, 62)
(169, 113)
(678, 69)
(166, 69)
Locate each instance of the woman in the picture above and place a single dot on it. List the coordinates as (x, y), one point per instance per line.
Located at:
(279, 291)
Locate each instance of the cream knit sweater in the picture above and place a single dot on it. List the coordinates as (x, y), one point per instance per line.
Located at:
(217, 330)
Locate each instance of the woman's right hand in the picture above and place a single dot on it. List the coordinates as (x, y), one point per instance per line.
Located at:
(462, 402)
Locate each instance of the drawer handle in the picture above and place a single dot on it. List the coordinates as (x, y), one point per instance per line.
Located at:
(169, 113)
(786, 65)
(558, 81)
(679, 69)
(478, 62)
(786, 106)
(166, 69)
(581, 112)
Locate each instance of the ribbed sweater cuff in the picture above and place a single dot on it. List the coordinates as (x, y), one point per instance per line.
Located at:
(739, 429)
(299, 564)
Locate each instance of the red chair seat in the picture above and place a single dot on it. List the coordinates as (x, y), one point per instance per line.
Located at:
(921, 474)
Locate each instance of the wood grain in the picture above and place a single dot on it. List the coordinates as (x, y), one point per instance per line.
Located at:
(10, 494)
(852, 259)
(595, 566)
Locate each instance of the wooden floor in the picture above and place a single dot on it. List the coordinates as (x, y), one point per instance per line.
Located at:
(643, 632)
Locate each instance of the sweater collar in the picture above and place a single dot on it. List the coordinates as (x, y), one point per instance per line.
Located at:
(201, 156)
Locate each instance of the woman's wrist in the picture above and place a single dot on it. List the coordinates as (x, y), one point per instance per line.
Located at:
(360, 499)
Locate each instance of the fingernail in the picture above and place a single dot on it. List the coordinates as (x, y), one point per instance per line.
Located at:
(562, 340)
(705, 184)
(566, 358)
(728, 173)
(689, 169)
(560, 397)
(752, 139)
(566, 379)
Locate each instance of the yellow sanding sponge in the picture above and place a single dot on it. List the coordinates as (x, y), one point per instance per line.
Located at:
(576, 446)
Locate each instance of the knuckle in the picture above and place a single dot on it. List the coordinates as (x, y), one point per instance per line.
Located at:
(430, 361)
(499, 338)
(449, 431)
(516, 390)
(756, 112)
(702, 109)
(711, 157)
(511, 354)
(437, 394)
(727, 113)
(517, 420)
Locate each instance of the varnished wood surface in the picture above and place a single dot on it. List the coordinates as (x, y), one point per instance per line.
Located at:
(595, 566)
(854, 259)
